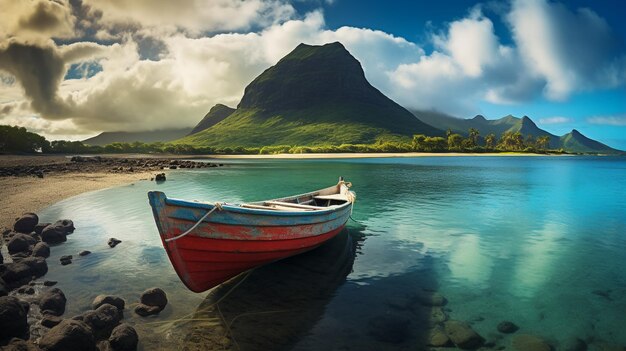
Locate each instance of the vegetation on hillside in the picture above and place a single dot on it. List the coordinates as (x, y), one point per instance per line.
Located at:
(15, 139)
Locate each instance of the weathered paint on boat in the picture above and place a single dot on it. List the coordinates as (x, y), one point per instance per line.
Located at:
(234, 239)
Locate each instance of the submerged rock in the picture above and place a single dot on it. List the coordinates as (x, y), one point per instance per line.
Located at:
(113, 242)
(160, 177)
(462, 335)
(84, 253)
(507, 327)
(26, 223)
(438, 338)
(124, 338)
(65, 260)
(154, 297)
(112, 300)
(103, 320)
(525, 342)
(68, 335)
(53, 302)
(432, 299)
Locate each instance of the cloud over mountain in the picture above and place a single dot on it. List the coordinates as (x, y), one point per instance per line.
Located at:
(116, 65)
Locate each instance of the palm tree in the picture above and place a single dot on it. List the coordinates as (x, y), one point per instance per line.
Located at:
(489, 141)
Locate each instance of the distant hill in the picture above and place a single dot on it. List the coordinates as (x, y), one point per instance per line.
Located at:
(144, 137)
(571, 142)
(215, 115)
(315, 95)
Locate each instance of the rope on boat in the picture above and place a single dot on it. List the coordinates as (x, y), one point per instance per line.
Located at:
(217, 206)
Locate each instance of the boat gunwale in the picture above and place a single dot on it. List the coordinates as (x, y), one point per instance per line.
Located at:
(239, 209)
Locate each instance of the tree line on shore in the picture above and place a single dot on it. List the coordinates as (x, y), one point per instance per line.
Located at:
(18, 139)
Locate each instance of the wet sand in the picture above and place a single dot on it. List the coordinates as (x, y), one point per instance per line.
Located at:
(30, 194)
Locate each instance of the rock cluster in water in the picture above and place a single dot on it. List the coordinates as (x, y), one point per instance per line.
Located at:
(100, 328)
(83, 164)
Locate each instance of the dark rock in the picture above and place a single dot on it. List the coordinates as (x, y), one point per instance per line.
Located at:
(574, 344)
(160, 177)
(112, 300)
(49, 283)
(13, 321)
(53, 234)
(39, 227)
(66, 258)
(103, 320)
(124, 338)
(84, 253)
(68, 335)
(507, 327)
(462, 335)
(3, 288)
(438, 338)
(65, 262)
(50, 321)
(26, 289)
(113, 242)
(1, 258)
(53, 301)
(20, 345)
(26, 223)
(154, 297)
(66, 224)
(173, 167)
(41, 249)
(145, 310)
(525, 342)
(389, 328)
(16, 272)
(20, 243)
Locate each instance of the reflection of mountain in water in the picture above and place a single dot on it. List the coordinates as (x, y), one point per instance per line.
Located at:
(275, 305)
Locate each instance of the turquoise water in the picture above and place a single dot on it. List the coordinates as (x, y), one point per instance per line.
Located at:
(540, 241)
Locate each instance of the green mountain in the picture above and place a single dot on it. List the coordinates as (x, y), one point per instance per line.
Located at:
(571, 142)
(315, 95)
(574, 141)
(215, 115)
(144, 137)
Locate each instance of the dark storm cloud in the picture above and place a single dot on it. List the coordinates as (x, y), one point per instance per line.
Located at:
(39, 70)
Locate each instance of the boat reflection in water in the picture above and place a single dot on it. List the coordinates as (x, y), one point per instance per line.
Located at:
(273, 306)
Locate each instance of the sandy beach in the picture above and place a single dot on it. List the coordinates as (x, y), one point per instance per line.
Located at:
(24, 191)
(30, 194)
(373, 155)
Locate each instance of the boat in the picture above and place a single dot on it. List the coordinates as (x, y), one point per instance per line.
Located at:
(210, 243)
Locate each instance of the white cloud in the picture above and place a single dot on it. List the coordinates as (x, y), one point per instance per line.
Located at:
(555, 120)
(195, 16)
(192, 71)
(608, 120)
(572, 51)
(36, 19)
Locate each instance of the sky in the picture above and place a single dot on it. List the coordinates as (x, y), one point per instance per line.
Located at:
(70, 69)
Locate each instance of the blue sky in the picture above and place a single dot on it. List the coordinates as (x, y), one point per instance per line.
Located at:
(154, 64)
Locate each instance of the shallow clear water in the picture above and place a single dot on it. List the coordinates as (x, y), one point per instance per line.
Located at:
(526, 239)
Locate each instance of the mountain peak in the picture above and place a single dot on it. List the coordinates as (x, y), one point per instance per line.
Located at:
(215, 115)
(576, 133)
(479, 118)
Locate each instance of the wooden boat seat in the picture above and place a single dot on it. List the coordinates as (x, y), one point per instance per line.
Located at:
(289, 204)
(272, 208)
(338, 197)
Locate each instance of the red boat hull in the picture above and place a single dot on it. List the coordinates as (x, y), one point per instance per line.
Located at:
(234, 240)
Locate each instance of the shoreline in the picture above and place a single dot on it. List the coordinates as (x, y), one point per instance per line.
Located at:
(377, 155)
(31, 194)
